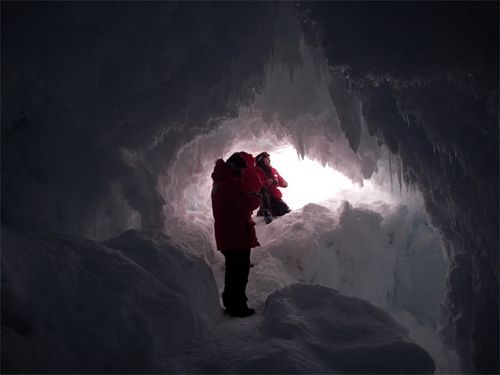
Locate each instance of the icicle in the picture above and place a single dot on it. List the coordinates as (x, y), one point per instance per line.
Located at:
(301, 146)
(400, 177)
(390, 170)
(349, 85)
(406, 119)
(406, 180)
(441, 160)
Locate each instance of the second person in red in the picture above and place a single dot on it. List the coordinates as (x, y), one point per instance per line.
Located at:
(272, 202)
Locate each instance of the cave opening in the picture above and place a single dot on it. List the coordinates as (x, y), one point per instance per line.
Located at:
(367, 237)
(364, 231)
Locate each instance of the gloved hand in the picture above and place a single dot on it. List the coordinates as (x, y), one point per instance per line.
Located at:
(272, 181)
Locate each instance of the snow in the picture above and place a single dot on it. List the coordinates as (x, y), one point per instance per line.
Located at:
(387, 255)
(314, 329)
(71, 305)
(137, 303)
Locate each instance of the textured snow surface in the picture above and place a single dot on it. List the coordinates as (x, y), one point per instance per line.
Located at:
(70, 304)
(387, 255)
(311, 329)
(136, 303)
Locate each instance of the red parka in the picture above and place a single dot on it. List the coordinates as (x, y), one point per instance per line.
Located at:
(251, 176)
(277, 183)
(232, 207)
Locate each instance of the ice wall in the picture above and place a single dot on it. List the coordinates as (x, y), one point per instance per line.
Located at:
(428, 84)
(97, 97)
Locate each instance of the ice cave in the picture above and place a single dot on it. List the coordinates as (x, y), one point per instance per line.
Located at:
(382, 116)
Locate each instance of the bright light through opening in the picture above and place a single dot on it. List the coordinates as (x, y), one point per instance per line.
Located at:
(310, 182)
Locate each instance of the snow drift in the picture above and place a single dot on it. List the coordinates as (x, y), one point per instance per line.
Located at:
(344, 333)
(136, 303)
(72, 305)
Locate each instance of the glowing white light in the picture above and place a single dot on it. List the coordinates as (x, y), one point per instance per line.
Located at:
(310, 182)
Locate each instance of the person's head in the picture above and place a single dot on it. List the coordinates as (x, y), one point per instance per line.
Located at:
(237, 163)
(248, 158)
(263, 159)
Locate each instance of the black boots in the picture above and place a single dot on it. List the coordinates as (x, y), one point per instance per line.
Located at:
(267, 216)
(266, 212)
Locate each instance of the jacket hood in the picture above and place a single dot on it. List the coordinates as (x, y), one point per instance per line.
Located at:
(222, 171)
(248, 158)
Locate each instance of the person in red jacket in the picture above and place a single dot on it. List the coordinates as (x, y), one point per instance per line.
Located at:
(251, 175)
(232, 206)
(272, 202)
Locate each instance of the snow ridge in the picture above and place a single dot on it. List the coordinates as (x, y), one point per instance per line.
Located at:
(137, 303)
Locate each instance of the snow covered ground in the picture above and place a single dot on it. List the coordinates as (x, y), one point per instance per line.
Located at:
(311, 329)
(130, 305)
(385, 254)
(140, 303)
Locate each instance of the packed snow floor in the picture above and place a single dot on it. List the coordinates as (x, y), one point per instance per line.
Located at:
(140, 303)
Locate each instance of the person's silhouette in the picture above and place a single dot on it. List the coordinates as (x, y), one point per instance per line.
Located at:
(232, 207)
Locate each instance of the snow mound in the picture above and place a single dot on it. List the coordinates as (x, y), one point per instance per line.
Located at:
(388, 255)
(345, 334)
(310, 329)
(179, 271)
(137, 303)
(72, 305)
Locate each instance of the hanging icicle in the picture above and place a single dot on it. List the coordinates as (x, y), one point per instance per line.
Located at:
(390, 169)
(400, 177)
(406, 119)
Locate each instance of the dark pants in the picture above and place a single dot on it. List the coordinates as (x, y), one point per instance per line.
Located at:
(275, 206)
(279, 207)
(236, 278)
(266, 198)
